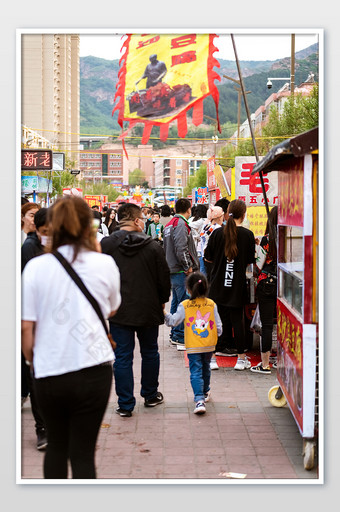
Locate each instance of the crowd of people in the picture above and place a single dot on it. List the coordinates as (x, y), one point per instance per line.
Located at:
(86, 275)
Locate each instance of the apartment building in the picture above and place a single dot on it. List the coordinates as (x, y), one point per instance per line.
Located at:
(50, 103)
(278, 99)
(102, 163)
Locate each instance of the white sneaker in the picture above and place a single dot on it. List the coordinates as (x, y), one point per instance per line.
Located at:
(213, 365)
(181, 347)
(242, 364)
(200, 408)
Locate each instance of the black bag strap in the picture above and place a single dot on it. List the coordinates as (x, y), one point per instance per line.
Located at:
(73, 274)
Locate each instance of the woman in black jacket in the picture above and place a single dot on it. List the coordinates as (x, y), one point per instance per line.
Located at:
(230, 249)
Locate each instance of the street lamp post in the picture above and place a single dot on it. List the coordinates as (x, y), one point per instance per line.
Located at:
(291, 79)
(239, 92)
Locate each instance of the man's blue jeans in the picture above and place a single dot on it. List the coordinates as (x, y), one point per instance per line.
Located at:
(179, 294)
(199, 365)
(124, 336)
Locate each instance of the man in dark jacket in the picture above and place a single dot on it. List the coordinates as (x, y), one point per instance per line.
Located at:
(145, 288)
(181, 256)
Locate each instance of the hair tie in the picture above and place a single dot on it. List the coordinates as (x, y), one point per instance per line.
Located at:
(230, 215)
(200, 280)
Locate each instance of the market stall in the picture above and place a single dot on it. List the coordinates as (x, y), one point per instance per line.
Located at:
(296, 161)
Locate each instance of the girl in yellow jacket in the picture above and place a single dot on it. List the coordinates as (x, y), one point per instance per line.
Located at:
(202, 326)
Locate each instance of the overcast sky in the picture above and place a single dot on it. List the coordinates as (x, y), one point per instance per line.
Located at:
(255, 46)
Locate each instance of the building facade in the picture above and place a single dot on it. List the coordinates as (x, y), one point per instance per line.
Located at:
(260, 118)
(102, 164)
(50, 104)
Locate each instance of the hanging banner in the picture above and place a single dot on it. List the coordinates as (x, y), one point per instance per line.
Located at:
(291, 186)
(161, 77)
(221, 181)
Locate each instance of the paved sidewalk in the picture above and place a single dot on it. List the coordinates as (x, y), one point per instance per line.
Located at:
(240, 433)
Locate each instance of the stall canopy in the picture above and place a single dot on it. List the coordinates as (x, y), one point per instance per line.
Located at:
(296, 146)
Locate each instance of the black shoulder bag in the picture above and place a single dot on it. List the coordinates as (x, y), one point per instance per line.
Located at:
(73, 274)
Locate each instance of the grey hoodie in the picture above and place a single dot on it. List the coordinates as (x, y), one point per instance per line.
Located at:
(179, 246)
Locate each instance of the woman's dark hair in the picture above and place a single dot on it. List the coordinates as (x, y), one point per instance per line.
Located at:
(236, 210)
(223, 203)
(165, 210)
(197, 284)
(71, 222)
(271, 231)
(113, 224)
(200, 212)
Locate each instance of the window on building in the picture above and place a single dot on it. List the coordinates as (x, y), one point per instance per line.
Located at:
(179, 163)
(179, 171)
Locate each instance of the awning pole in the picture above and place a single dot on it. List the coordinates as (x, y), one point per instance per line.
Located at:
(250, 125)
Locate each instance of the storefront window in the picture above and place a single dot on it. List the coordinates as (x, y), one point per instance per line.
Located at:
(291, 266)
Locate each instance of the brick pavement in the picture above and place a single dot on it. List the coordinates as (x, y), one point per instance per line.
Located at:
(241, 432)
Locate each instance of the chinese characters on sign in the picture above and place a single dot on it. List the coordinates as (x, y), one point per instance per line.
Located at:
(31, 184)
(96, 200)
(248, 188)
(200, 195)
(257, 218)
(214, 191)
(290, 357)
(211, 179)
(37, 159)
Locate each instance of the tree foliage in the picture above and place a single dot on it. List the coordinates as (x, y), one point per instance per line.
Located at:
(299, 115)
(137, 177)
(196, 181)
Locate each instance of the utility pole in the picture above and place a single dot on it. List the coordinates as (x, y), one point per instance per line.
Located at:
(239, 92)
(292, 66)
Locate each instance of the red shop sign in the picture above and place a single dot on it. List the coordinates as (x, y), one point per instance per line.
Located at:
(36, 159)
(291, 186)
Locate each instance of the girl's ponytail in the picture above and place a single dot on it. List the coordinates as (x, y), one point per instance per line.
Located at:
(236, 210)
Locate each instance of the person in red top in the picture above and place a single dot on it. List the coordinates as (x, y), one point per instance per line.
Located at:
(266, 290)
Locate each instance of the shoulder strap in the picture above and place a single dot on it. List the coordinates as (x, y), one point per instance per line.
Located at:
(73, 274)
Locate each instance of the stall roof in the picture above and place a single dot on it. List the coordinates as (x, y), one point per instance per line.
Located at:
(295, 147)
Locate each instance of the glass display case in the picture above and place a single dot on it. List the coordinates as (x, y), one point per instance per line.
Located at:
(290, 267)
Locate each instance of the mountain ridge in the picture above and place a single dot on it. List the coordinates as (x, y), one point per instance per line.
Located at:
(98, 78)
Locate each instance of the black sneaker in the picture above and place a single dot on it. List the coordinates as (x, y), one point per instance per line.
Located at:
(158, 399)
(263, 370)
(124, 413)
(41, 439)
(227, 352)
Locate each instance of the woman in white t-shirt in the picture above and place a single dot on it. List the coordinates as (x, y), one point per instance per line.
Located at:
(65, 341)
